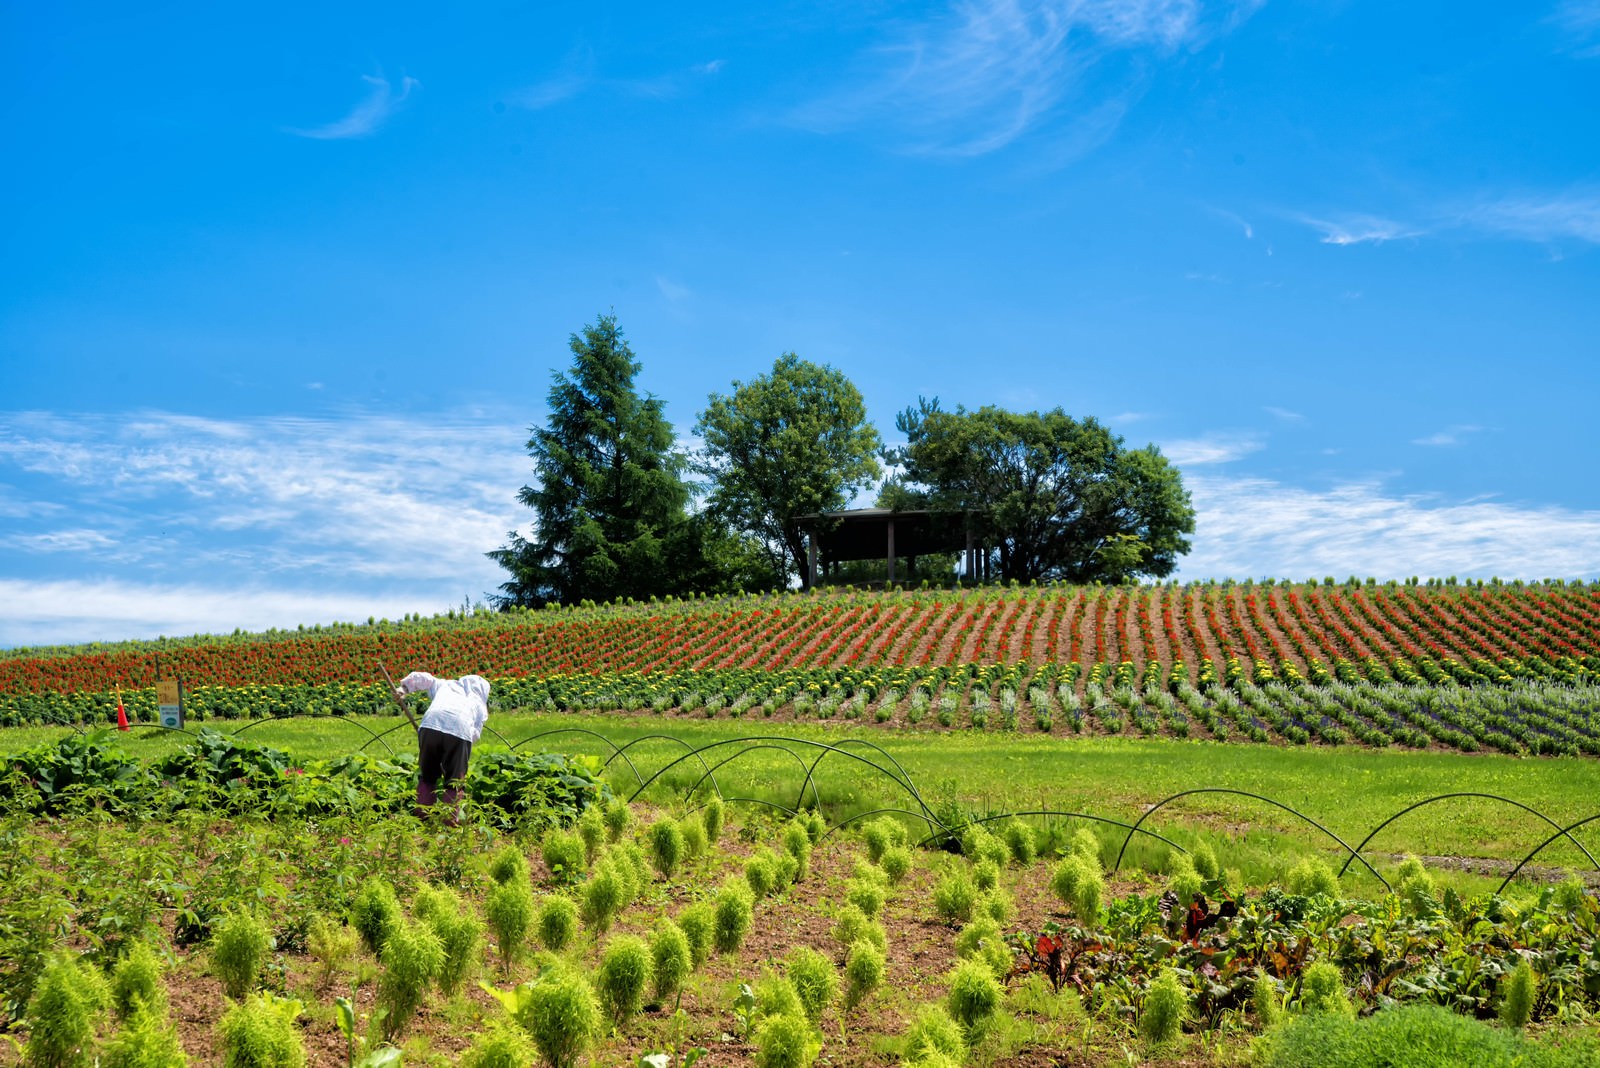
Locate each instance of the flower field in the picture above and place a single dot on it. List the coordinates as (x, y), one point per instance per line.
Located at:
(1510, 668)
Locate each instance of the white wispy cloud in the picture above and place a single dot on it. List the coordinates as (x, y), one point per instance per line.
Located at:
(671, 290)
(980, 74)
(1356, 229)
(366, 117)
(1257, 527)
(1216, 448)
(578, 75)
(1455, 435)
(1579, 21)
(364, 508)
(1284, 414)
(1567, 216)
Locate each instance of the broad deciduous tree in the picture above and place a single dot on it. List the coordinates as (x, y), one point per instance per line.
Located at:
(792, 442)
(1056, 497)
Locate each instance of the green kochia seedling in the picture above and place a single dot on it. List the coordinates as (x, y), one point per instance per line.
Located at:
(137, 980)
(558, 1011)
(699, 922)
(672, 958)
(563, 854)
(863, 972)
(509, 912)
(260, 1033)
(375, 912)
(1165, 1004)
(814, 979)
(786, 1041)
(625, 974)
(558, 922)
(666, 846)
(735, 911)
(239, 947)
(501, 1047)
(147, 1040)
(412, 960)
(974, 996)
(66, 1001)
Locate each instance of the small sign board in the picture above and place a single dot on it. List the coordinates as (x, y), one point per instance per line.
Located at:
(169, 699)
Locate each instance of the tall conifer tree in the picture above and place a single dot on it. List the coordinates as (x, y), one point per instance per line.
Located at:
(610, 502)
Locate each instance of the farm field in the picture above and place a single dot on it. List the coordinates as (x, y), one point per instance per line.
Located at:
(864, 755)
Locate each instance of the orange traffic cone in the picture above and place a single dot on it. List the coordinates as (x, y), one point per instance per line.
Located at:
(122, 713)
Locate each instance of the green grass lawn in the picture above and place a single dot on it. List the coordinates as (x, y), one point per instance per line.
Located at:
(1348, 790)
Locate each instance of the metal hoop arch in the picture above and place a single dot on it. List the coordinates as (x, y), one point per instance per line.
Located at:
(1153, 809)
(664, 738)
(579, 730)
(1132, 829)
(728, 760)
(1540, 848)
(1468, 793)
(374, 736)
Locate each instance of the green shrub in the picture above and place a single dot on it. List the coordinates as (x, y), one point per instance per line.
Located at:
(866, 896)
(508, 910)
(1020, 841)
(997, 905)
(786, 1041)
(332, 944)
(879, 835)
(864, 969)
(698, 923)
(557, 922)
(509, 864)
(983, 941)
(815, 979)
(374, 913)
(459, 930)
(814, 824)
(1412, 1036)
(239, 947)
(563, 854)
(797, 844)
(502, 1047)
(627, 862)
(666, 846)
(136, 979)
(776, 996)
(672, 958)
(561, 1014)
(1186, 883)
(954, 896)
(604, 896)
(1086, 844)
(259, 1032)
(412, 960)
(1166, 1003)
(761, 874)
(625, 973)
(67, 999)
(974, 996)
(854, 926)
(1086, 897)
(1322, 989)
(896, 863)
(147, 1040)
(1313, 878)
(617, 816)
(1264, 1000)
(1204, 860)
(592, 829)
(985, 874)
(978, 844)
(712, 816)
(694, 838)
(934, 1033)
(1066, 876)
(1570, 895)
(735, 911)
(1521, 987)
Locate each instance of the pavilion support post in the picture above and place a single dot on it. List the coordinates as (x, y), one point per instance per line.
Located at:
(891, 552)
(811, 556)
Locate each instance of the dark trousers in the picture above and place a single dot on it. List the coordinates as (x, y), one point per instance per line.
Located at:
(443, 758)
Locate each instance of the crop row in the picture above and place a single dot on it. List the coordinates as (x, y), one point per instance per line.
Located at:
(1530, 715)
(1266, 632)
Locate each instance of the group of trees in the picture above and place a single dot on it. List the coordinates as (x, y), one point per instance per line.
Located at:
(617, 515)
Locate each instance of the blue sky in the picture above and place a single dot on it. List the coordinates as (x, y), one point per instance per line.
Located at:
(282, 290)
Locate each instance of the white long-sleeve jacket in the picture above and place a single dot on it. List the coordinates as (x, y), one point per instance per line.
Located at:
(458, 707)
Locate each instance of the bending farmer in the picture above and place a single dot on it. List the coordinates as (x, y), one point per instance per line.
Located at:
(457, 711)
